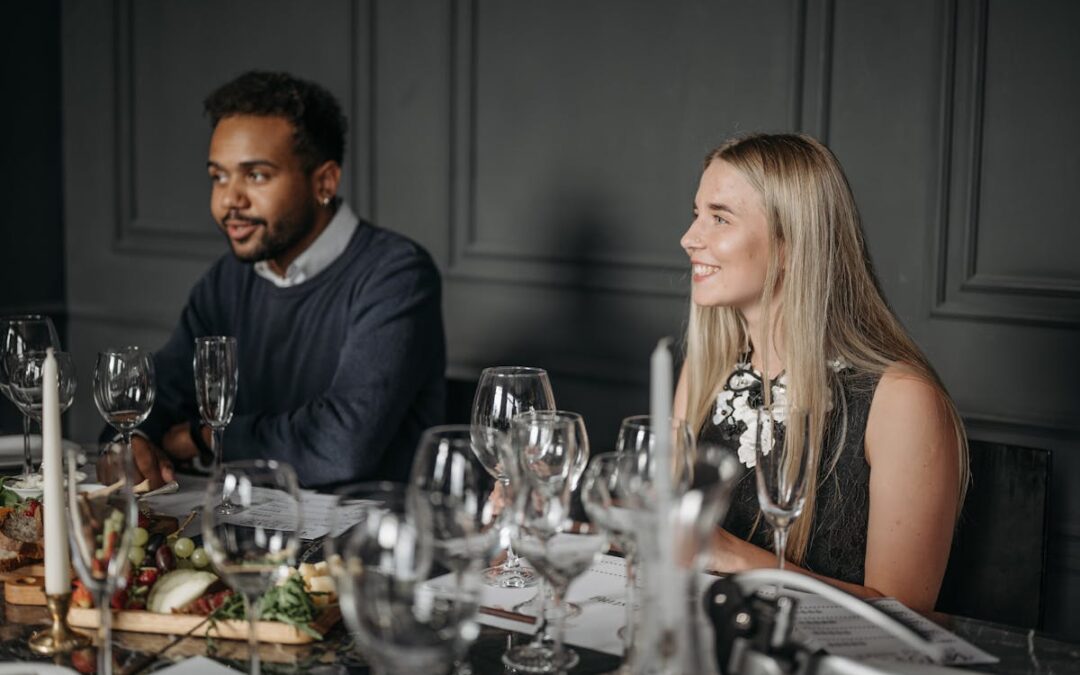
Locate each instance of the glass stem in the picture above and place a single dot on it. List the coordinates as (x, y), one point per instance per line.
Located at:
(251, 608)
(557, 594)
(631, 599)
(104, 652)
(780, 541)
(215, 446)
(542, 635)
(28, 461)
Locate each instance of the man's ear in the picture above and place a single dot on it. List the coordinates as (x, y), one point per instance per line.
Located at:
(326, 178)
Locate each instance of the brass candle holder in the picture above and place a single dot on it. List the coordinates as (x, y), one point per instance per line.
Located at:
(58, 638)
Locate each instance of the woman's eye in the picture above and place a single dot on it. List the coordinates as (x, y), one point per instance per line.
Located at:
(719, 220)
(217, 178)
(258, 176)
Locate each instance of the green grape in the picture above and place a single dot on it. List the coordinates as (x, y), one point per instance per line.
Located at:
(137, 554)
(141, 536)
(183, 547)
(199, 558)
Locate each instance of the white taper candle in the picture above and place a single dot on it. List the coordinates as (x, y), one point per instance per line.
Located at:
(57, 557)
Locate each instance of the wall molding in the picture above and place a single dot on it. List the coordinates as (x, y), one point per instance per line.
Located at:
(471, 258)
(155, 235)
(960, 290)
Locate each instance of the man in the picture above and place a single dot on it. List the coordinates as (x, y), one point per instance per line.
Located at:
(338, 322)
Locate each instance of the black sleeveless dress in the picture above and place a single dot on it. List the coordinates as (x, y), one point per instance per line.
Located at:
(837, 545)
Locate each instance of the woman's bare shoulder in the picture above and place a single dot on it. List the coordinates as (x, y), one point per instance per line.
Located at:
(910, 411)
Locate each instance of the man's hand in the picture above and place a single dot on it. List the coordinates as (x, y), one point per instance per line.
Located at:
(150, 463)
(178, 442)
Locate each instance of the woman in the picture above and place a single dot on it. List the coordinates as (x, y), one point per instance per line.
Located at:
(782, 284)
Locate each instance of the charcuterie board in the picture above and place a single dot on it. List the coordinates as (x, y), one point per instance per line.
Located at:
(25, 586)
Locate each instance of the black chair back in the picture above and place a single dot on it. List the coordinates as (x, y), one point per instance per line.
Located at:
(998, 561)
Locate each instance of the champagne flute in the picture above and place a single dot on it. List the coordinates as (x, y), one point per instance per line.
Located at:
(124, 388)
(215, 391)
(782, 455)
(252, 555)
(558, 547)
(408, 617)
(21, 334)
(101, 527)
(502, 393)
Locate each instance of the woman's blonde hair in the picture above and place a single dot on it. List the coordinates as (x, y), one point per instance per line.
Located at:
(829, 302)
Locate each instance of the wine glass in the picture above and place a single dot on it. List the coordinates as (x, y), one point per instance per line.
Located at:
(560, 548)
(407, 615)
(502, 393)
(101, 527)
(124, 388)
(25, 384)
(21, 334)
(782, 455)
(447, 475)
(574, 471)
(252, 554)
(637, 435)
(215, 369)
(606, 511)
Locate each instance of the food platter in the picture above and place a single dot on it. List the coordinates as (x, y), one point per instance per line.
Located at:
(25, 586)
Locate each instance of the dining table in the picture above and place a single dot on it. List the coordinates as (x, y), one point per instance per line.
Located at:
(1021, 651)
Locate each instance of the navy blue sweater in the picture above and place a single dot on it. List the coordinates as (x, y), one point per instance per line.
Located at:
(338, 376)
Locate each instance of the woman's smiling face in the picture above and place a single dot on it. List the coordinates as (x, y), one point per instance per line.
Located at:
(728, 241)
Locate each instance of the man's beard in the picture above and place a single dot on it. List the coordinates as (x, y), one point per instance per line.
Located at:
(280, 238)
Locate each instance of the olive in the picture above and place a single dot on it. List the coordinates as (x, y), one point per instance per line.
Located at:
(154, 543)
(166, 561)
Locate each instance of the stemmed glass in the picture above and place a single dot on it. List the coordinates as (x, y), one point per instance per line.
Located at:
(215, 391)
(19, 335)
(637, 436)
(560, 548)
(252, 556)
(101, 526)
(25, 382)
(606, 511)
(502, 393)
(782, 455)
(124, 388)
(447, 475)
(407, 615)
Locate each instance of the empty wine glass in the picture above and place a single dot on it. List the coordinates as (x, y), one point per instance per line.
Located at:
(408, 617)
(124, 388)
(101, 527)
(449, 477)
(19, 335)
(557, 546)
(538, 604)
(502, 393)
(637, 435)
(215, 391)
(26, 378)
(606, 511)
(782, 455)
(252, 555)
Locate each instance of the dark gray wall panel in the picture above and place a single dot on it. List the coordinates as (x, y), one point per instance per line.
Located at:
(547, 153)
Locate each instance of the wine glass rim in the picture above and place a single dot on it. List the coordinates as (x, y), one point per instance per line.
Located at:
(127, 349)
(564, 415)
(215, 338)
(12, 318)
(513, 371)
(645, 420)
(41, 353)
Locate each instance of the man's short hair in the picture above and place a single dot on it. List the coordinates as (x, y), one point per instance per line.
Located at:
(319, 126)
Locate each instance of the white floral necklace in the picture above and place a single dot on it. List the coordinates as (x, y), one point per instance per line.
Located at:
(740, 399)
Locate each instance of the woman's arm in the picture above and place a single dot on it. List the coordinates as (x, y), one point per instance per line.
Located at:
(914, 490)
(681, 396)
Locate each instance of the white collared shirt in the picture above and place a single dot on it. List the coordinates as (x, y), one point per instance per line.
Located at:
(315, 258)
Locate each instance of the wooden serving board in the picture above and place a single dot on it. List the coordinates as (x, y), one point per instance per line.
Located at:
(26, 586)
(141, 621)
